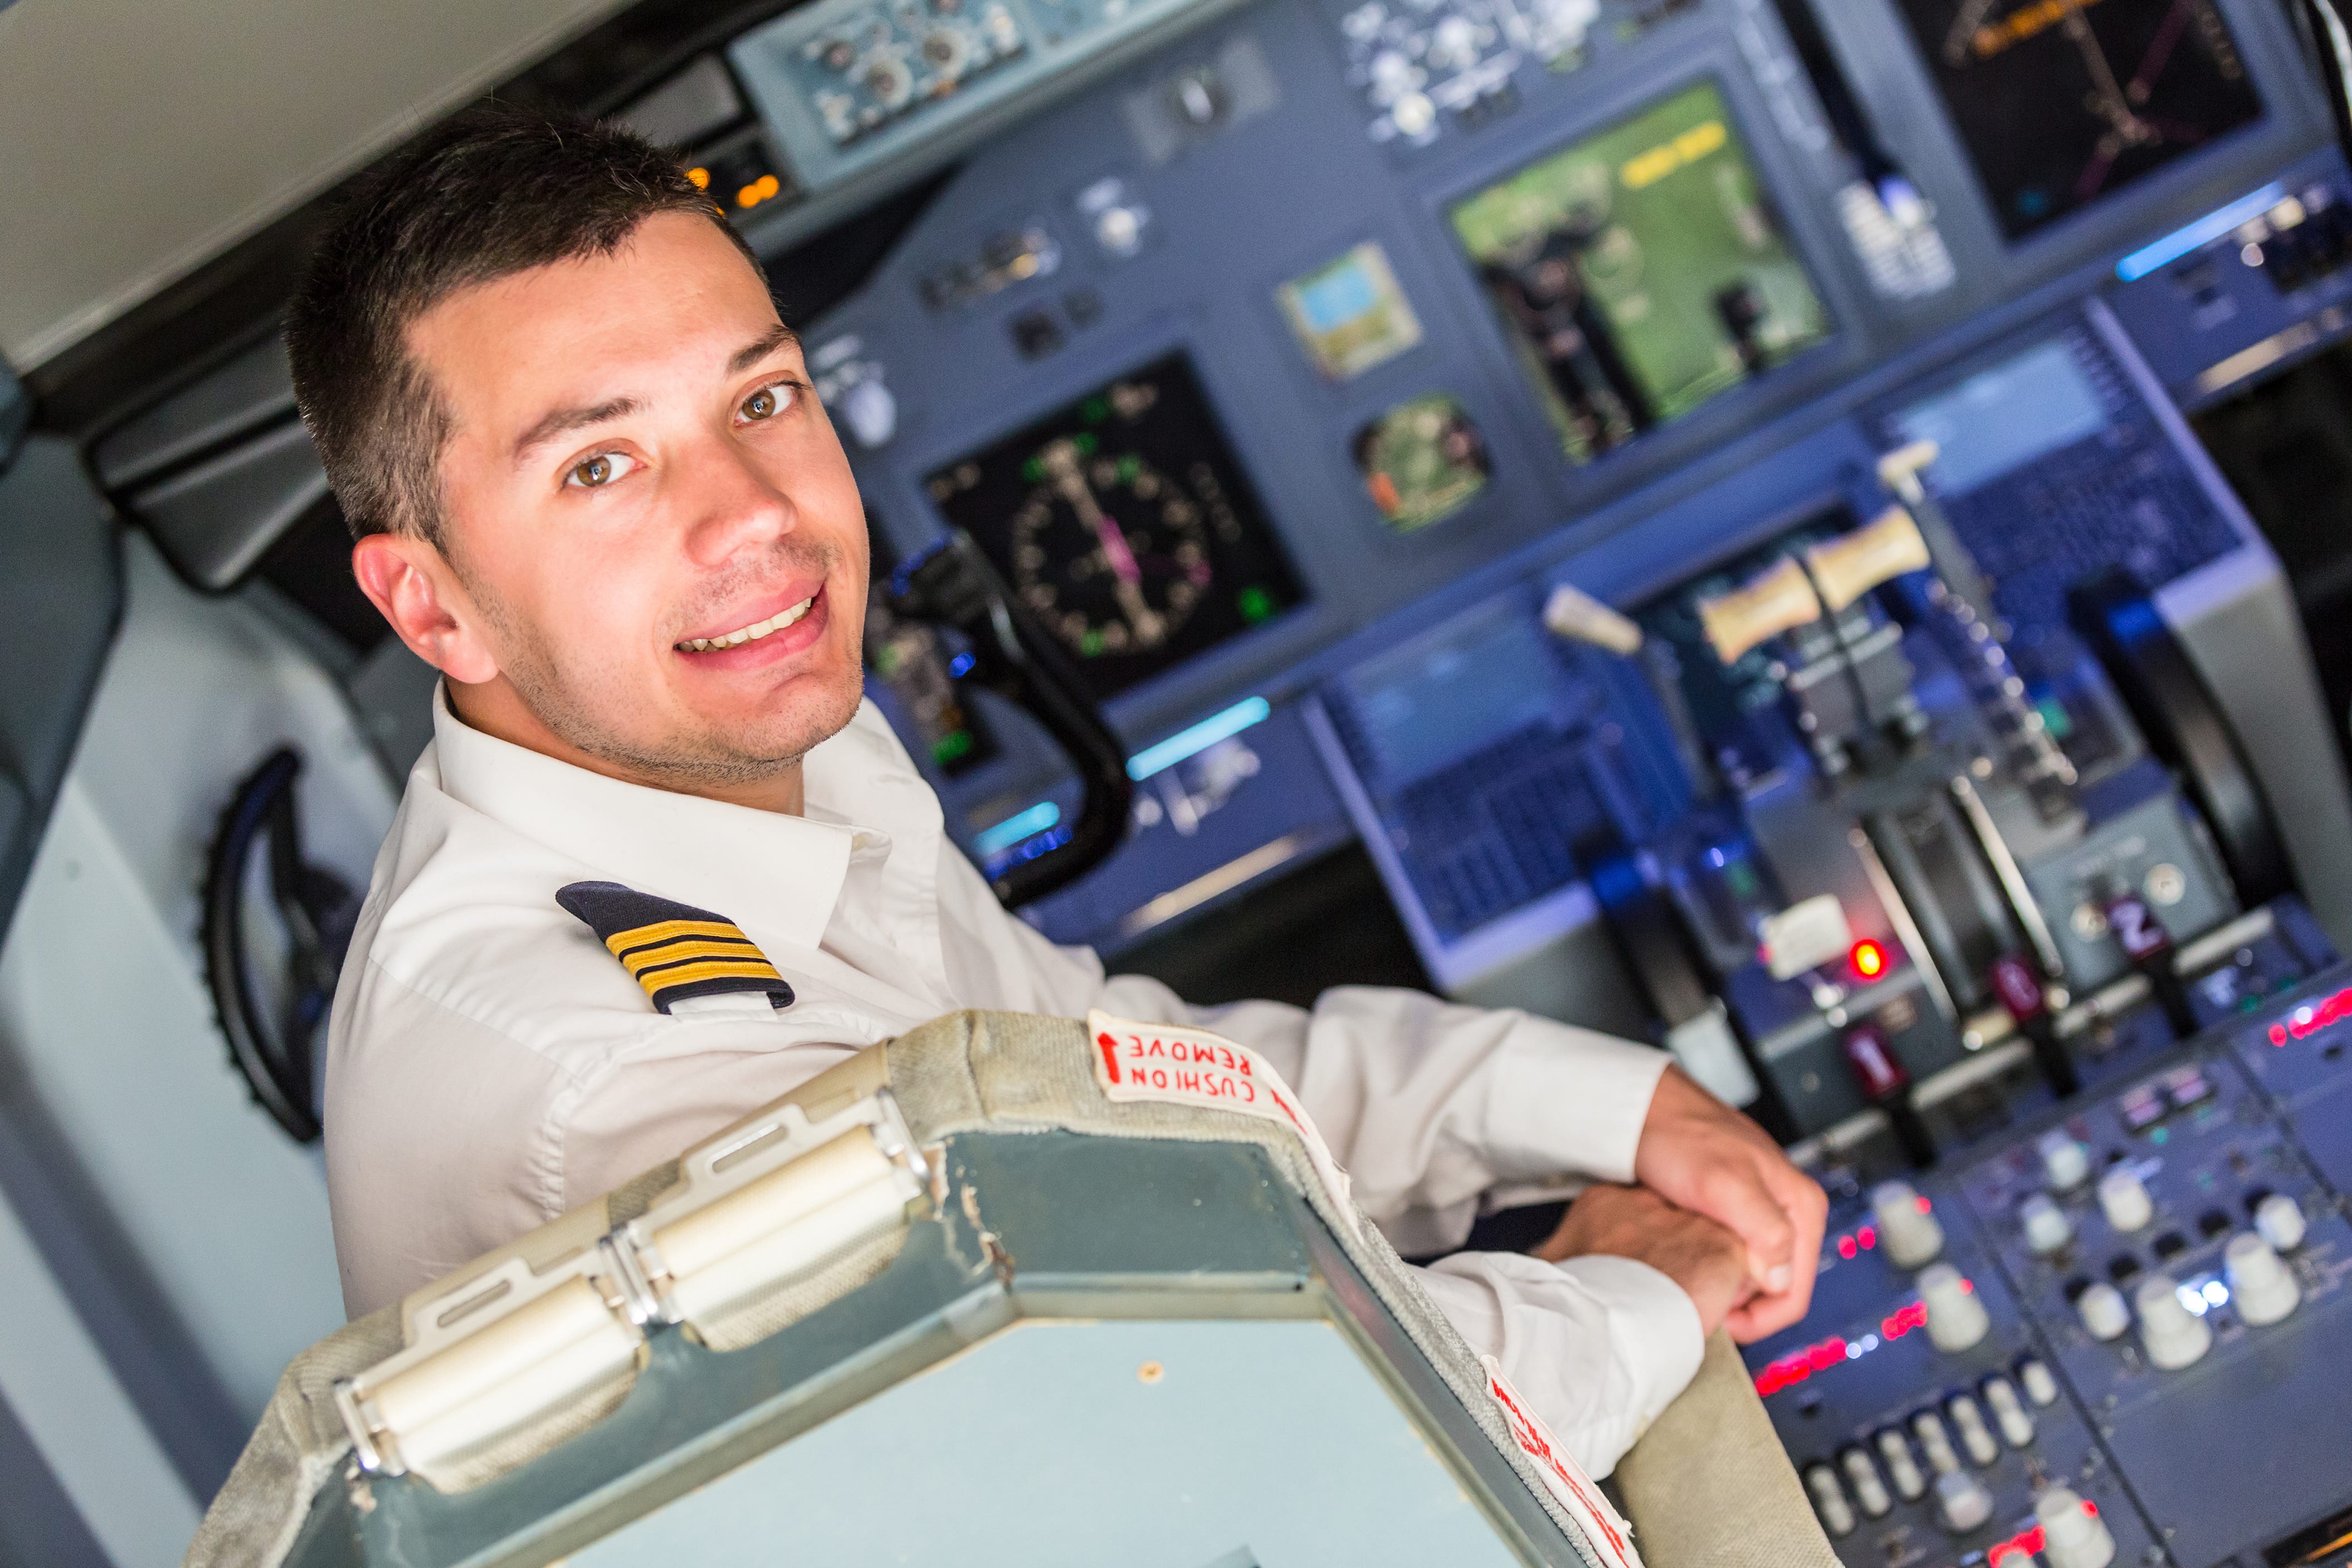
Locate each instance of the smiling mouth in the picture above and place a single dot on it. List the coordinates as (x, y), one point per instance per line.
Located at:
(751, 633)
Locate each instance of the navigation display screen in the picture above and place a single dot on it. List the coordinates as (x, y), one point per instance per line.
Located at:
(2061, 102)
(1125, 522)
(1640, 272)
(2001, 418)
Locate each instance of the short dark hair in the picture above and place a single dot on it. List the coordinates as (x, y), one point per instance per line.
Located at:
(491, 193)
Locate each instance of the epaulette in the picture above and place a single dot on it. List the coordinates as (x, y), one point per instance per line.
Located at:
(675, 950)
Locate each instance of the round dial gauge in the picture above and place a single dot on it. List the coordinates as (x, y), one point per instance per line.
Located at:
(1109, 551)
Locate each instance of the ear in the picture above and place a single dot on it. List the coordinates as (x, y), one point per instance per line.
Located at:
(409, 582)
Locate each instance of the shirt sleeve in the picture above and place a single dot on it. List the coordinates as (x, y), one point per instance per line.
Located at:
(1598, 1346)
(1430, 1104)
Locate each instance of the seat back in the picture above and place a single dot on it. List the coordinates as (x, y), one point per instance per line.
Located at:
(950, 1278)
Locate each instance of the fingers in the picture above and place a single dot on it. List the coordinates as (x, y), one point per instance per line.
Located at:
(1807, 1207)
(1735, 1194)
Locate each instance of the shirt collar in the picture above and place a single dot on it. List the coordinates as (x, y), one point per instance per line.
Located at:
(763, 869)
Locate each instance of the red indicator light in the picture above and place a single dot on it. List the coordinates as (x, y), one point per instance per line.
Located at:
(1924, 1206)
(2026, 1543)
(1868, 959)
(1903, 1320)
(2313, 1016)
(1846, 1247)
(1799, 1365)
(1867, 1235)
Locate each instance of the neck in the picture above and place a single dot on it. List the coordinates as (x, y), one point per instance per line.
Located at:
(494, 708)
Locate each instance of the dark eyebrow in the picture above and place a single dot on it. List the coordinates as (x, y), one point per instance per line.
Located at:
(761, 347)
(557, 421)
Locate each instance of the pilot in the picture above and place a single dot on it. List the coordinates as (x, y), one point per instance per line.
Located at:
(662, 863)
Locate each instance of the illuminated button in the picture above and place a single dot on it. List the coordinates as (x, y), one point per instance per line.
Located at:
(1976, 1437)
(2279, 1219)
(2123, 1198)
(1935, 1442)
(1956, 1318)
(1413, 115)
(2047, 1228)
(1962, 1501)
(1868, 1490)
(1867, 959)
(2033, 1376)
(2065, 1164)
(2105, 1312)
(2009, 1412)
(2173, 1336)
(1829, 1499)
(2260, 1281)
(1907, 1228)
(2073, 1533)
(1901, 1467)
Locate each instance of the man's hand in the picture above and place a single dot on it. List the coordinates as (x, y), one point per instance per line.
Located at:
(1698, 1153)
(1705, 1260)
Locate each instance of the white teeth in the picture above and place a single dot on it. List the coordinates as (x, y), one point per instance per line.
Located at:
(751, 633)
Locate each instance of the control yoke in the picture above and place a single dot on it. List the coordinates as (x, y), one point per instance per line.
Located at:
(953, 584)
(318, 912)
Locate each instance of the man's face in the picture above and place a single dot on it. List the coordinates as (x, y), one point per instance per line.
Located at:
(645, 502)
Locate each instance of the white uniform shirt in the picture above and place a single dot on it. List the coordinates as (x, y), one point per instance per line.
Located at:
(491, 1066)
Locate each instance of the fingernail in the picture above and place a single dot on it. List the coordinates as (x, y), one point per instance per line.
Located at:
(1777, 1280)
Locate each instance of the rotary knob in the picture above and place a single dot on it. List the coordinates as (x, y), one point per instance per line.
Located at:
(2105, 1312)
(2279, 1219)
(1907, 1229)
(2073, 1533)
(1956, 1318)
(1962, 1501)
(2123, 1198)
(2260, 1281)
(2065, 1164)
(2047, 1228)
(2173, 1336)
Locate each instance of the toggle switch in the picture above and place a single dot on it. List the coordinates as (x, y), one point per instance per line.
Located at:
(1829, 1499)
(2047, 1228)
(1935, 1442)
(2105, 1312)
(1962, 1501)
(1868, 1490)
(2065, 1164)
(2260, 1281)
(2123, 1198)
(2173, 1336)
(1901, 1467)
(1956, 1318)
(1976, 1437)
(2279, 1219)
(2009, 1412)
(1907, 1229)
(2033, 1376)
(2073, 1533)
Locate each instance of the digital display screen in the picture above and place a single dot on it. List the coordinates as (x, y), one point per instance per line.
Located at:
(2002, 418)
(1125, 522)
(1350, 314)
(1640, 272)
(2061, 102)
(1422, 461)
(1454, 692)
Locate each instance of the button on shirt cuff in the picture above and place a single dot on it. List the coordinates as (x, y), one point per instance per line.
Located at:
(1562, 1100)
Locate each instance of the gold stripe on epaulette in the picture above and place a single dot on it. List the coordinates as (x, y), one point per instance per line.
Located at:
(621, 942)
(646, 958)
(657, 981)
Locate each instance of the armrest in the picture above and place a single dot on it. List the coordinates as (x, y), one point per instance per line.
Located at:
(1709, 1485)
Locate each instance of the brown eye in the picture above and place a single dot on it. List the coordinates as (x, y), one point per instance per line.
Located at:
(766, 403)
(596, 473)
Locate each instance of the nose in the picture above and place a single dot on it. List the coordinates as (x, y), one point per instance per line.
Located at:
(731, 505)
